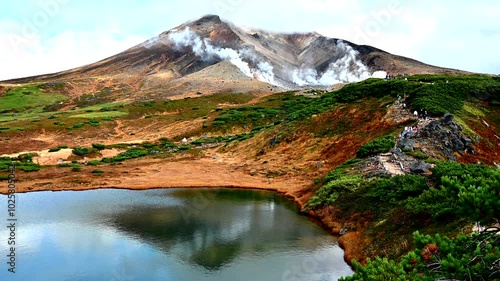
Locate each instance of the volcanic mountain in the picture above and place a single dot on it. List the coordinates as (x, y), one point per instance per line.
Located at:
(210, 55)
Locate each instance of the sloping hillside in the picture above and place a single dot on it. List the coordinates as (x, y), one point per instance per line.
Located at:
(335, 153)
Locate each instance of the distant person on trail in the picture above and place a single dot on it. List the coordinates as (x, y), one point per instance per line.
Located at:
(425, 115)
(416, 114)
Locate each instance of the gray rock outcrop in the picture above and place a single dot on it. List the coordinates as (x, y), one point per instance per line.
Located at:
(406, 144)
(419, 167)
(447, 137)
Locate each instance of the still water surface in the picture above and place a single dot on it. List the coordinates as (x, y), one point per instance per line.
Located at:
(168, 234)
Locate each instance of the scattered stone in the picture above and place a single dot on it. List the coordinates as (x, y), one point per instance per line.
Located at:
(343, 231)
(273, 141)
(406, 144)
(397, 152)
(419, 167)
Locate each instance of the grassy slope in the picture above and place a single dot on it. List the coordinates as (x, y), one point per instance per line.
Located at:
(383, 228)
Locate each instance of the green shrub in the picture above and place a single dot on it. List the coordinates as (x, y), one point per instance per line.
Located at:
(99, 146)
(76, 169)
(28, 167)
(26, 157)
(93, 122)
(55, 149)
(129, 154)
(169, 145)
(333, 189)
(22, 163)
(82, 151)
(76, 126)
(465, 257)
(148, 145)
(398, 189)
(98, 172)
(461, 191)
(218, 123)
(198, 142)
(454, 169)
(376, 146)
(94, 163)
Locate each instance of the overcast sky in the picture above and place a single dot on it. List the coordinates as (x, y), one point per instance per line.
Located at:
(44, 36)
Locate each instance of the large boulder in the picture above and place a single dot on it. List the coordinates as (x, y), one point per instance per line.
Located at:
(406, 144)
(447, 119)
(397, 153)
(419, 167)
(447, 136)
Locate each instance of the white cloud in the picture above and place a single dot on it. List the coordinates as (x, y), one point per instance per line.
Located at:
(329, 6)
(66, 50)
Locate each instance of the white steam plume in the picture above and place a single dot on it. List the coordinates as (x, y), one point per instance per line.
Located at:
(379, 74)
(345, 70)
(206, 51)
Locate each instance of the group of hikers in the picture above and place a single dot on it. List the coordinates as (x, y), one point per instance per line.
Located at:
(409, 132)
(423, 114)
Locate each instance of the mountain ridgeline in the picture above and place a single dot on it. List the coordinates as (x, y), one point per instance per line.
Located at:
(210, 55)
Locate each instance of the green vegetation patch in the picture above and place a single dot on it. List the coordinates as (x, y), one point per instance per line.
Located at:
(376, 146)
(27, 97)
(83, 151)
(461, 191)
(55, 149)
(335, 184)
(106, 114)
(23, 162)
(453, 196)
(252, 116)
(436, 257)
